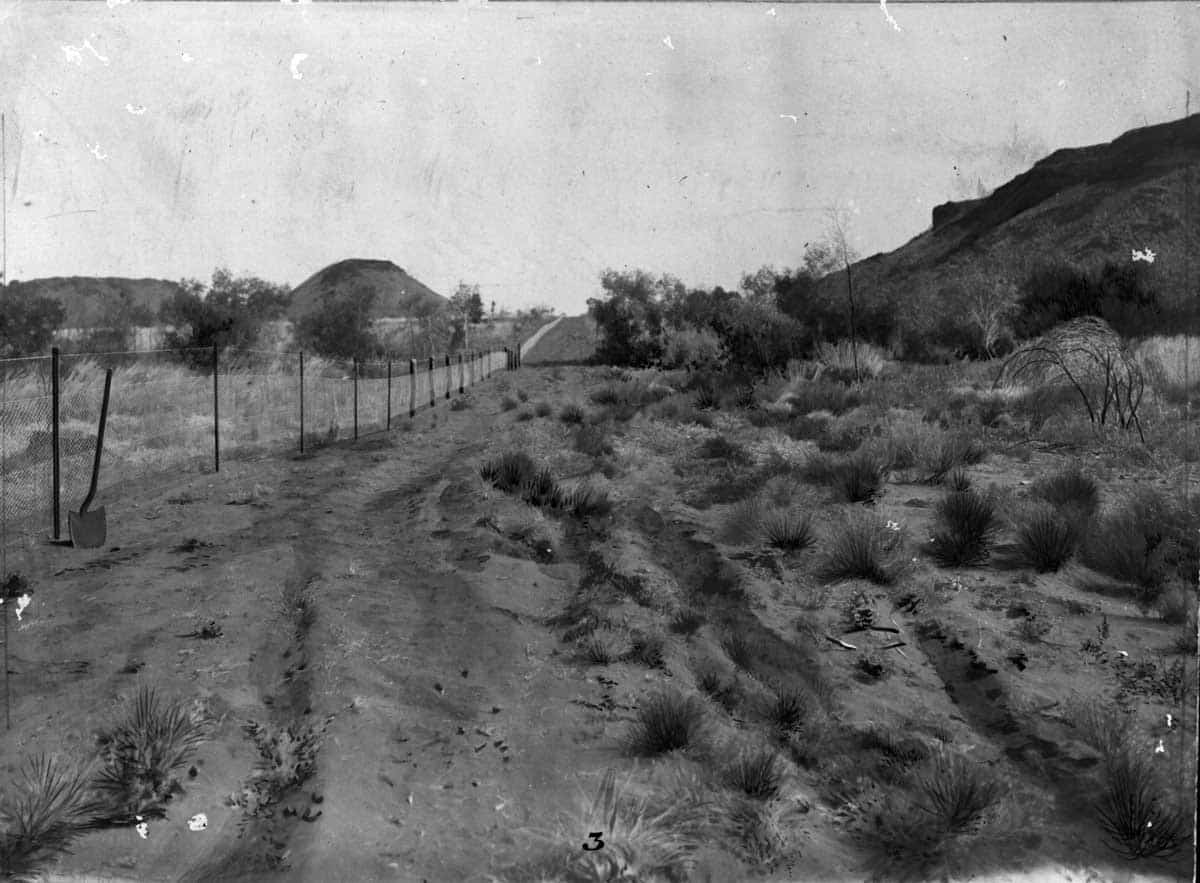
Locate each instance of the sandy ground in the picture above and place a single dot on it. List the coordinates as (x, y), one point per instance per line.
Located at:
(459, 722)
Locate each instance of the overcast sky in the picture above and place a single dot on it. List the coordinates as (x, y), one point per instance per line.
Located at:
(528, 146)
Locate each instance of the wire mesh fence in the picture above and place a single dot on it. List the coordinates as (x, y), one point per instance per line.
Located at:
(176, 408)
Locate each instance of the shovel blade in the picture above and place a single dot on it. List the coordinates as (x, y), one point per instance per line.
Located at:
(88, 529)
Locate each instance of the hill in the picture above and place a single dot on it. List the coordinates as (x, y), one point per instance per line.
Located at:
(1082, 206)
(397, 293)
(88, 299)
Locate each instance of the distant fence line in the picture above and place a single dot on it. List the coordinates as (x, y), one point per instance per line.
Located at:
(178, 408)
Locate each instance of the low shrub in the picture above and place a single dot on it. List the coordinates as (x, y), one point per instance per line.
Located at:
(1072, 488)
(757, 773)
(522, 395)
(586, 501)
(737, 647)
(593, 440)
(1136, 812)
(787, 529)
(140, 758)
(954, 793)
(524, 415)
(789, 709)
(543, 409)
(966, 529)
(1176, 604)
(510, 471)
(572, 414)
(508, 403)
(720, 448)
(822, 395)
(859, 478)
(42, 816)
(1046, 539)
(648, 649)
(666, 721)
(540, 489)
(959, 481)
(598, 648)
(862, 547)
(687, 621)
(951, 450)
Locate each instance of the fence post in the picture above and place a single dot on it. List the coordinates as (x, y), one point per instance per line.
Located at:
(432, 394)
(412, 388)
(302, 401)
(389, 406)
(449, 380)
(216, 414)
(54, 441)
(355, 365)
(462, 378)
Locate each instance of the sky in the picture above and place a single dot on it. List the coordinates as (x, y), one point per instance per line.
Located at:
(529, 146)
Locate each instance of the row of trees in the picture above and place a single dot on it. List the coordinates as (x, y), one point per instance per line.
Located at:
(232, 311)
(780, 314)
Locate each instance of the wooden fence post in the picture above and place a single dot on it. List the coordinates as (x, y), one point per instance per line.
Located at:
(302, 401)
(54, 441)
(432, 387)
(412, 388)
(354, 364)
(389, 400)
(216, 413)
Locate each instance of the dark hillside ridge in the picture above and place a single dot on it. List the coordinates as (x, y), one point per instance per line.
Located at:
(397, 294)
(87, 298)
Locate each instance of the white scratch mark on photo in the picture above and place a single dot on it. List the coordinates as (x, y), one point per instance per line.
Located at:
(667, 42)
(136, 110)
(888, 16)
(296, 59)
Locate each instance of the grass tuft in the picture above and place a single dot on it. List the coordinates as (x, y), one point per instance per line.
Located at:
(757, 773)
(648, 649)
(966, 528)
(572, 414)
(862, 548)
(666, 721)
(1071, 488)
(787, 529)
(789, 709)
(510, 471)
(954, 793)
(859, 478)
(1138, 820)
(1046, 540)
(543, 409)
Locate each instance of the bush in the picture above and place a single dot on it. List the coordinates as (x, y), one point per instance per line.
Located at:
(540, 489)
(648, 649)
(28, 322)
(508, 403)
(966, 529)
(738, 649)
(687, 621)
(510, 471)
(543, 409)
(42, 816)
(140, 756)
(805, 397)
(757, 773)
(950, 451)
(789, 709)
(954, 792)
(787, 529)
(863, 548)
(523, 396)
(1175, 604)
(524, 415)
(597, 648)
(572, 414)
(721, 448)
(1072, 489)
(593, 441)
(587, 501)
(1134, 811)
(694, 349)
(859, 478)
(1146, 543)
(1046, 540)
(666, 721)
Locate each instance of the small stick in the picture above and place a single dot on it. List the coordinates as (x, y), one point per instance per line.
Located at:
(871, 628)
(894, 646)
(841, 644)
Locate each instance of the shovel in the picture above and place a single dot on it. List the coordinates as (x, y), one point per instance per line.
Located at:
(89, 529)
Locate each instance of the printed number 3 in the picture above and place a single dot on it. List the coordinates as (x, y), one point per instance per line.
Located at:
(595, 835)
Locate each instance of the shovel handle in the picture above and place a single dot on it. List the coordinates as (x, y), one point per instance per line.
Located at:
(99, 442)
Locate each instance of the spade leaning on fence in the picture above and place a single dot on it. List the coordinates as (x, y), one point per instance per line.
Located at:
(89, 529)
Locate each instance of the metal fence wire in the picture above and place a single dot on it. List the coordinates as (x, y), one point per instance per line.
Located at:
(164, 406)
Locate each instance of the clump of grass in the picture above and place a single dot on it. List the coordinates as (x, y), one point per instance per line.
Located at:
(967, 524)
(757, 773)
(1139, 821)
(1175, 604)
(821, 468)
(666, 721)
(597, 648)
(540, 489)
(510, 471)
(648, 649)
(862, 548)
(543, 409)
(959, 481)
(572, 414)
(721, 448)
(787, 529)
(737, 648)
(954, 793)
(1046, 539)
(460, 404)
(948, 452)
(859, 478)
(140, 756)
(524, 415)
(789, 709)
(42, 816)
(508, 403)
(593, 440)
(587, 501)
(1072, 488)
(1102, 725)
(687, 621)
(522, 395)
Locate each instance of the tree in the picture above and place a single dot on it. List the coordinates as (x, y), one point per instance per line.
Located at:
(27, 321)
(119, 316)
(630, 318)
(227, 313)
(467, 301)
(341, 326)
(845, 255)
